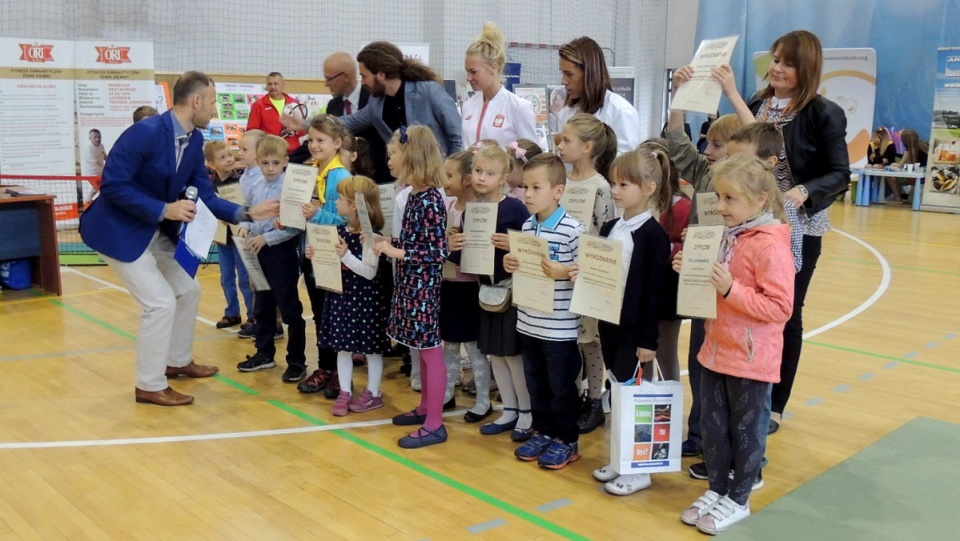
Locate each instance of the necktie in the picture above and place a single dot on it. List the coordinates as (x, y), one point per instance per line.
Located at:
(347, 107)
(182, 141)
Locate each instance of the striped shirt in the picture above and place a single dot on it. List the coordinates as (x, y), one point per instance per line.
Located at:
(562, 232)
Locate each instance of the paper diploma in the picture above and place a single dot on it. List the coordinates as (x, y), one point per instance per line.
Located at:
(598, 291)
(257, 279)
(299, 183)
(707, 211)
(702, 92)
(479, 225)
(231, 192)
(326, 262)
(696, 296)
(369, 256)
(578, 200)
(199, 233)
(388, 202)
(531, 287)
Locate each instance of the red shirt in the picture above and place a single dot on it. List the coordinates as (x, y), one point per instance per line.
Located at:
(264, 116)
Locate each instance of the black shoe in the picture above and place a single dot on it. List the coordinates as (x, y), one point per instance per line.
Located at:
(774, 426)
(471, 417)
(450, 404)
(248, 329)
(278, 334)
(294, 374)
(228, 321)
(332, 390)
(406, 365)
(591, 416)
(690, 448)
(257, 361)
(698, 470)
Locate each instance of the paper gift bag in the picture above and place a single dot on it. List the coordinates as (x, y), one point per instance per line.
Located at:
(646, 427)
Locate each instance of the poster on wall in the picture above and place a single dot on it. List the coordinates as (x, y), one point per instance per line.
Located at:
(941, 192)
(624, 82)
(537, 95)
(849, 79)
(234, 101)
(111, 79)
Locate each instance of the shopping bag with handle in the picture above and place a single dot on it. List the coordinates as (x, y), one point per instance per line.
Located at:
(646, 425)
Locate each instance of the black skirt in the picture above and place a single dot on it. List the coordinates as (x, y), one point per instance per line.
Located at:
(498, 333)
(459, 311)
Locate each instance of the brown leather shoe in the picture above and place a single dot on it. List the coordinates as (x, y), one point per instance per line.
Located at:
(192, 370)
(166, 397)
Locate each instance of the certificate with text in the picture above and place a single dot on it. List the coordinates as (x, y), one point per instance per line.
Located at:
(258, 281)
(369, 256)
(708, 212)
(696, 296)
(578, 202)
(388, 204)
(299, 183)
(231, 192)
(531, 287)
(479, 225)
(326, 262)
(598, 291)
(702, 92)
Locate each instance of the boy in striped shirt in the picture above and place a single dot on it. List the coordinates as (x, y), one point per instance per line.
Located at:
(548, 342)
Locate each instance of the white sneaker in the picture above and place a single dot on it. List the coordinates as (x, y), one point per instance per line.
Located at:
(700, 508)
(628, 484)
(464, 362)
(724, 514)
(605, 474)
(415, 383)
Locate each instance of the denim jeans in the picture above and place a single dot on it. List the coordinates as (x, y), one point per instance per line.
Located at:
(231, 268)
(552, 369)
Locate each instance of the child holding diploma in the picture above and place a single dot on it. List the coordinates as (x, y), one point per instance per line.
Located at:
(638, 179)
(551, 359)
(355, 321)
(589, 146)
(419, 249)
(498, 338)
(459, 305)
(741, 353)
(276, 250)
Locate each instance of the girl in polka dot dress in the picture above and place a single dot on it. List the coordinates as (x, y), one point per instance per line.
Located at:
(355, 321)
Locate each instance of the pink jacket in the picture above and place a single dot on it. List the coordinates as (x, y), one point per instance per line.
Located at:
(746, 339)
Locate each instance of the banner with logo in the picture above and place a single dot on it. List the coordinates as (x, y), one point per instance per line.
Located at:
(111, 79)
(849, 79)
(941, 192)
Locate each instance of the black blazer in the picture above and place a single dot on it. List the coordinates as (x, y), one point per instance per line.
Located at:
(642, 293)
(378, 149)
(816, 146)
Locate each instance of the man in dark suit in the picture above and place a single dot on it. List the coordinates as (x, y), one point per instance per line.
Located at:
(349, 96)
(136, 221)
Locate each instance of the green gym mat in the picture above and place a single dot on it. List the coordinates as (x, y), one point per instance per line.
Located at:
(900, 488)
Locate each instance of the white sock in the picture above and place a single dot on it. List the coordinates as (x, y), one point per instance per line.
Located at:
(345, 370)
(374, 372)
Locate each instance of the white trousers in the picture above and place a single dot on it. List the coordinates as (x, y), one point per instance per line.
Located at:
(170, 299)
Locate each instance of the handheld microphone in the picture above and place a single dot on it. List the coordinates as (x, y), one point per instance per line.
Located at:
(191, 195)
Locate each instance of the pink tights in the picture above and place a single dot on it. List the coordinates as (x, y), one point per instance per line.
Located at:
(433, 377)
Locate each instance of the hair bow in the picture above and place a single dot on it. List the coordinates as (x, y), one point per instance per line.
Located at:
(403, 134)
(518, 152)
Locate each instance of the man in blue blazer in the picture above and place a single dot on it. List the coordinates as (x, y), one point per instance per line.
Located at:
(403, 91)
(135, 224)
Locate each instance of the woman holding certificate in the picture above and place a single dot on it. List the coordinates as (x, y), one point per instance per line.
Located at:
(812, 169)
(587, 82)
(493, 112)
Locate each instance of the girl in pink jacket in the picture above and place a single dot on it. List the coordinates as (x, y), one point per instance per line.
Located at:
(741, 354)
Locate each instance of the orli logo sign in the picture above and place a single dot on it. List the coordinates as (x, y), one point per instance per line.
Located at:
(599, 246)
(704, 235)
(481, 209)
(113, 55)
(36, 53)
(952, 69)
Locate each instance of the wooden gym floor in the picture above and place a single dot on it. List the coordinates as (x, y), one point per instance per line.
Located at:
(254, 459)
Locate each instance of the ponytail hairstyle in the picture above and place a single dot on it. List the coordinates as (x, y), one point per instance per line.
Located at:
(363, 165)
(643, 165)
(520, 152)
(350, 187)
(751, 177)
(422, 163)
(491, 46)
(670, 183)
(589, 129)
(464, 162)
(385, 57)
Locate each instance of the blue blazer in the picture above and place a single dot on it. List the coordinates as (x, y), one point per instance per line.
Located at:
(139, 178)
(425, 103)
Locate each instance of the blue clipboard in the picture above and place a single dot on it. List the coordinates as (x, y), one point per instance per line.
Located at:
(186, 258)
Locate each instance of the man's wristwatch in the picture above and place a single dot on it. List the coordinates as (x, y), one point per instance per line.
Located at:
(803, 191)
(245, 217)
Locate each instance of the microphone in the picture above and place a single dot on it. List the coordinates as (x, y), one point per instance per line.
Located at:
(191, 195)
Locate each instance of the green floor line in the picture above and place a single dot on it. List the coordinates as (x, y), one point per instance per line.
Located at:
(435, 475)
(886, 357)
(902, 267)
(419, 468)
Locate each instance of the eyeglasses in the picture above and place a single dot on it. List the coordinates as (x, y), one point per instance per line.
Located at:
(342, 73)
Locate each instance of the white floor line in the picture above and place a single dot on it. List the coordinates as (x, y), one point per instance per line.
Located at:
(880, 291)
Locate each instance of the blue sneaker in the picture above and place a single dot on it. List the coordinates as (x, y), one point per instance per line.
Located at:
(559, 454)
(533, 448)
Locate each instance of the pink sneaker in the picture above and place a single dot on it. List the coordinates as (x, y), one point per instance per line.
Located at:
(366, 402)
(342, 405)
